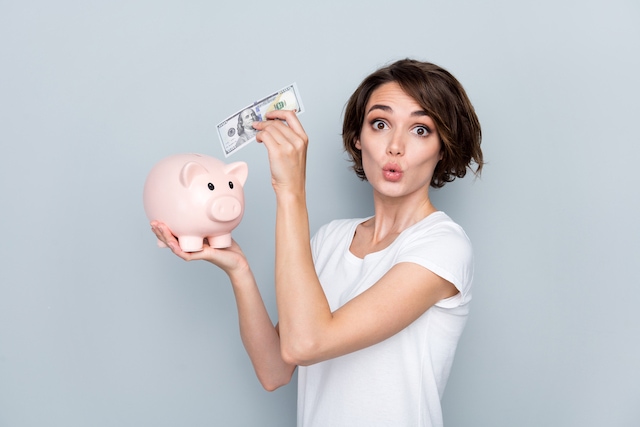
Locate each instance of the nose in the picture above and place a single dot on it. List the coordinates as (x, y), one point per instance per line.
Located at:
(225, 208)
(396, 144)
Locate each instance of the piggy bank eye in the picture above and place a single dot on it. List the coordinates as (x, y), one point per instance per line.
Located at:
(211, 187)
(231, 185)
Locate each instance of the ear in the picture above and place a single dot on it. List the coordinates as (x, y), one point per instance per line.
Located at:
(357, 144)
(189, 171)
(240, 170)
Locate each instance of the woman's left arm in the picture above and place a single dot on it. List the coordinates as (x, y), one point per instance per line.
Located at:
(309, 331)
(302, 305)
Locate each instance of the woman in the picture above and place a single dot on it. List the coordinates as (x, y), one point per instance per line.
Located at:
(371, 309)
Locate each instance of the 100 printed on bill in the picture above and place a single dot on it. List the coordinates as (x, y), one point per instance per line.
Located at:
(236, 131)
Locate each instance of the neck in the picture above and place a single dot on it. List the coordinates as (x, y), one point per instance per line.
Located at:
(393, 216)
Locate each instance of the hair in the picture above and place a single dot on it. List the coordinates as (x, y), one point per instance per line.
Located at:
(443, 98)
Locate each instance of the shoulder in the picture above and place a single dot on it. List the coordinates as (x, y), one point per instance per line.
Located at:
(440, 245)
(437, 227)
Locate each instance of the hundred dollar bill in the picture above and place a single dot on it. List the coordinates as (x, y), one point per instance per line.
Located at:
(236, 132)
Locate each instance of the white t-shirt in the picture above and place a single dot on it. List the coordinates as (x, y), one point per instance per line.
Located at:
(399, 381)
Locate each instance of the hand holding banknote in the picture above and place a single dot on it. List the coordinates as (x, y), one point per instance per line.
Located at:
(237, 131)
(286, 142)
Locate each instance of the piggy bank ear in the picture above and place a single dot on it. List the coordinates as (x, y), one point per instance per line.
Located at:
(240, 170)
(189, 171)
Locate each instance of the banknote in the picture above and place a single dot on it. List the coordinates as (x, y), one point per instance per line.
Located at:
(236, 132)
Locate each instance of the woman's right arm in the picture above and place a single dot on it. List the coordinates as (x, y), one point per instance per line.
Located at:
(260, 338)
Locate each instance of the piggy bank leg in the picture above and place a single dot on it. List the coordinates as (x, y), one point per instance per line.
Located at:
(161, 244)
(190, 243)
(220, 242)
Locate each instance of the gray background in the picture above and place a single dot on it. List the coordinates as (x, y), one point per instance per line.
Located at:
(98, 327)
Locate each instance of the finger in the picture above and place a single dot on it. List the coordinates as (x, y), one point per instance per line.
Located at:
(164, 234)
(155, 228)
(266, 124)
(284, 134)
(280, 142)
(288, 116)
(275, 133)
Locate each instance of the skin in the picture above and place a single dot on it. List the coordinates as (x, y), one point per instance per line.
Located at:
(400, 148)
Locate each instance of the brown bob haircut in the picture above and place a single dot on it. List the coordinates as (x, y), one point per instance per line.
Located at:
(444, 100)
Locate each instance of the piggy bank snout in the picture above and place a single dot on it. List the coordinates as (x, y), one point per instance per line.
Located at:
(225, 208)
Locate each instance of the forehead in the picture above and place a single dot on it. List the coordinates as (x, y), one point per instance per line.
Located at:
(246, 113)
(392, 95)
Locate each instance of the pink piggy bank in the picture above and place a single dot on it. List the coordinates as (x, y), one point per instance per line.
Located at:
(197, 196)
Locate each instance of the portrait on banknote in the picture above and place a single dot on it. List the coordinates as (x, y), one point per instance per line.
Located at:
(245, 120)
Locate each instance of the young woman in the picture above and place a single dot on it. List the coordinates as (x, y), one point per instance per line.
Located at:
(371, 309)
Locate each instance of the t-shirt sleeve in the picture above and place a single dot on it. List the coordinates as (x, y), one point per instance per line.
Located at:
(446, 251)
(315, 242)
(318, 240)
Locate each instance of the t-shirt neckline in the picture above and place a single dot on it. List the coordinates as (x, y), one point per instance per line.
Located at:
(373, 255)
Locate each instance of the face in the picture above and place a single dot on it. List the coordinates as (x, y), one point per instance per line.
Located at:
(399, 142)
(248, 117)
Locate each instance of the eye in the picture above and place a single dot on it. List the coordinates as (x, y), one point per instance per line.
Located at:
(211, 187)
(421, 131)
(379, 124)
(231, 185)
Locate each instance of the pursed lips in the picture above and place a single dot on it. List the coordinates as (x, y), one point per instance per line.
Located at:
(392, 172)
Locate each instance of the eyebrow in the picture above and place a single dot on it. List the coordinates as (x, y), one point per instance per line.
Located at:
(390, 110)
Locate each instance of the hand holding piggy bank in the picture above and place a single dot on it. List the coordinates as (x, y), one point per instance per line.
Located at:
(197, 197)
